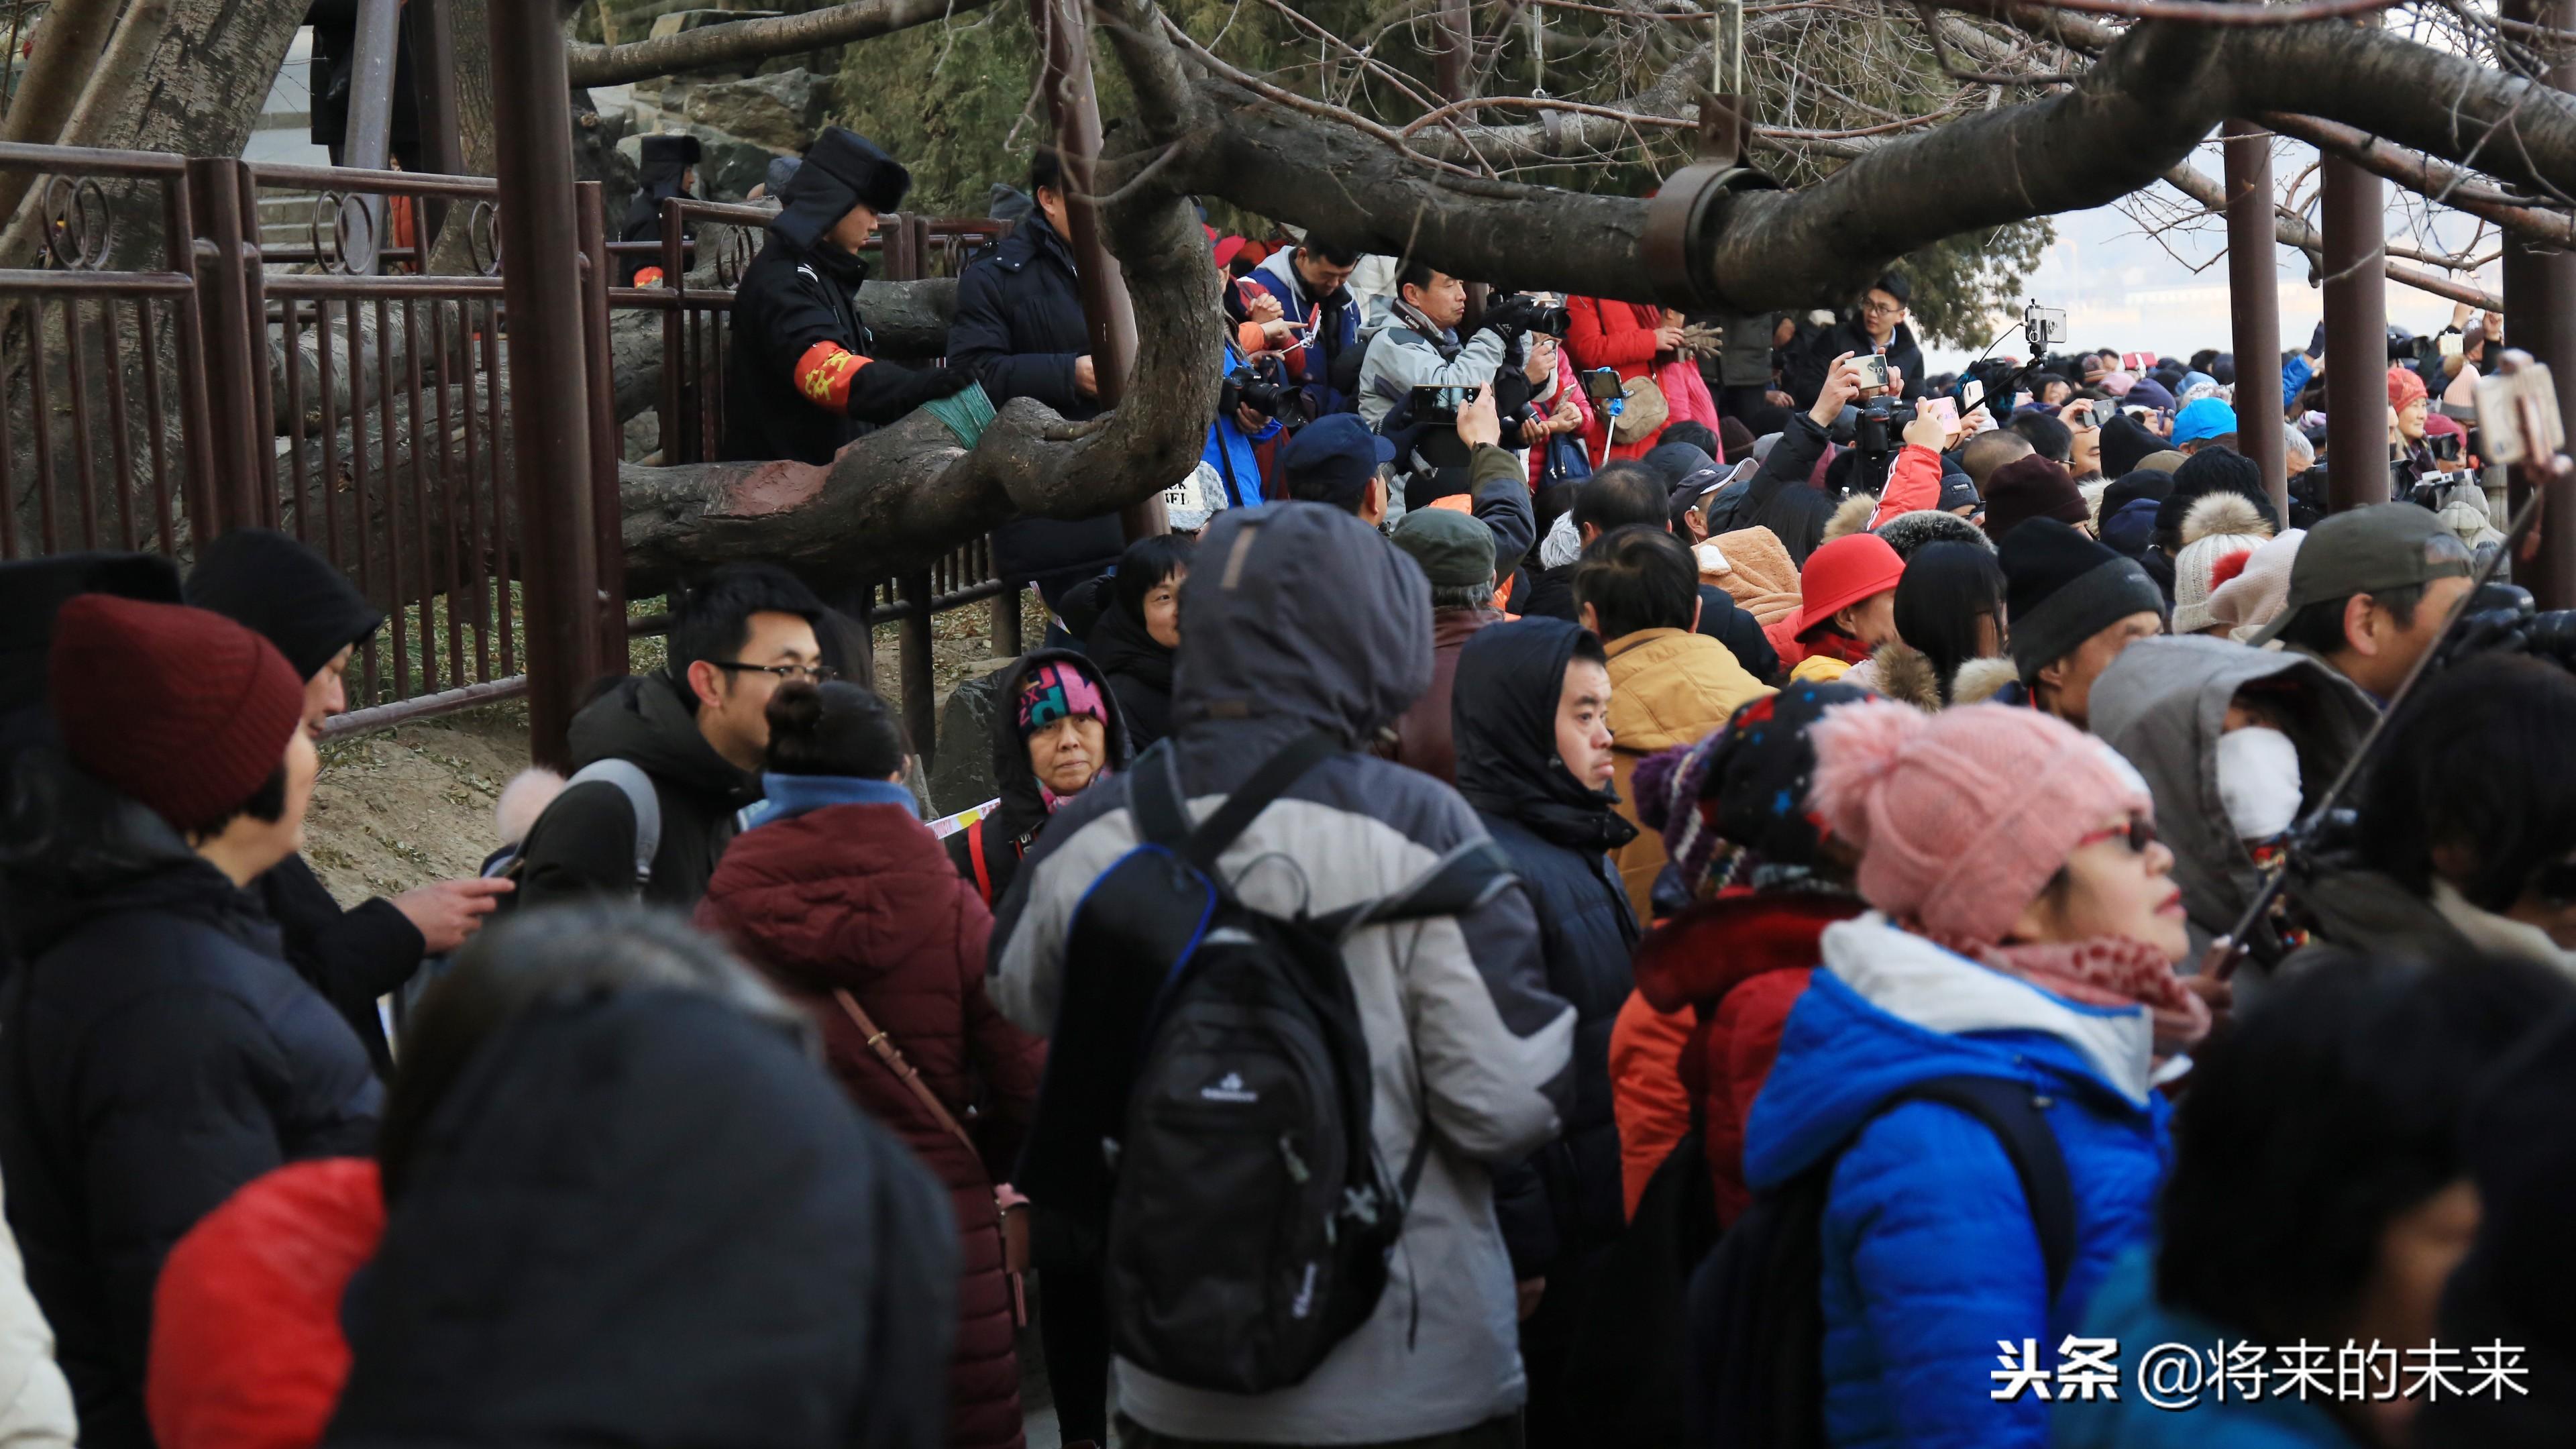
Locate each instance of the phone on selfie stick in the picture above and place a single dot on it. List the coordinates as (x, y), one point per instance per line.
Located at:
(1602, 385)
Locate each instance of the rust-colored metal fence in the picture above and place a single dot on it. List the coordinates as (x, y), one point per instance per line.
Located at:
(164, 376)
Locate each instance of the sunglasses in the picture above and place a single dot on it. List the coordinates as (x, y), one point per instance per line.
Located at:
(2140, 832)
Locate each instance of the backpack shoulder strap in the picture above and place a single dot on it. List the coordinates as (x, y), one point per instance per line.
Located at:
(975, 855)
(2009, 1110)
(1457, 883)
(1161, 804)
(646, 802)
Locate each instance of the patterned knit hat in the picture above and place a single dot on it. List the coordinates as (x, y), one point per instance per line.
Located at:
(1056, 691)
(2219, 536)
(1735, 802)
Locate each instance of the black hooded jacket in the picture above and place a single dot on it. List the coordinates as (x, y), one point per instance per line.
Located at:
(1012, 828)
(156, 1053)
(585, 842)
(1567, 1197)
(652, 1220)
(664, 174)
(802, 290)
(270, 583)
(1139, 671)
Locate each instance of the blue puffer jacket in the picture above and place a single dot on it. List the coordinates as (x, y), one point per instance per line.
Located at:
(1930, 1256)
(1229, 449)
(2126, 1309)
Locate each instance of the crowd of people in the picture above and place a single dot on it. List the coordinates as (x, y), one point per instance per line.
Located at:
(1693, 936)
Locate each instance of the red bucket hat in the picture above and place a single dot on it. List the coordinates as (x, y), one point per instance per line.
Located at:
(1852, 568)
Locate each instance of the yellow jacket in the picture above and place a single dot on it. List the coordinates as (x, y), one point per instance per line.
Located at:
(1667, 687)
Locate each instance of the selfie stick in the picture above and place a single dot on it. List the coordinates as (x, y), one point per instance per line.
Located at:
(2542, 472)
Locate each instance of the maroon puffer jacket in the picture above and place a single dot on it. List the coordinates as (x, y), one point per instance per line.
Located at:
(862, 897)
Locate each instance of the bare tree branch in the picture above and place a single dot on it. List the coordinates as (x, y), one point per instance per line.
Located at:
(748, 42)
(2293, 230)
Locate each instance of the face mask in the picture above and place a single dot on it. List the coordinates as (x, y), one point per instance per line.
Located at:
(2258, 781)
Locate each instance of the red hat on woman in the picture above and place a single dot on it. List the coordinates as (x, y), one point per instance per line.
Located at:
(186, 711)
(1852, 568)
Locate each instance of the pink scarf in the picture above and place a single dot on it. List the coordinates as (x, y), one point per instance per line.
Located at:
(2107, 971)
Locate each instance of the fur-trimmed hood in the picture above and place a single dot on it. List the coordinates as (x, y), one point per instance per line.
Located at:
(1980, 680)
(1852, 515)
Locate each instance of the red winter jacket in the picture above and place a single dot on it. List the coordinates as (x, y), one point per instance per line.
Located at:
(862, 897)
(1740, 962)
(246, 1344)
(1621, 336)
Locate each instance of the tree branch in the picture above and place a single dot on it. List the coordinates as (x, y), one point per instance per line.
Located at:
(2293, 230)
(748, 42)
(2429, 178)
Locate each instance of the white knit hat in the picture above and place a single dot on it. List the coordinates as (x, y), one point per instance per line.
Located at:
(2254, 598)
(2218, 526)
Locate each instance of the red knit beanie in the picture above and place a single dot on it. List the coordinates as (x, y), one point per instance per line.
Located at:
(186, 711)
(1961, 817)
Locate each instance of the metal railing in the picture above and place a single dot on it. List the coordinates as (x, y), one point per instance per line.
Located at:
(165, 377)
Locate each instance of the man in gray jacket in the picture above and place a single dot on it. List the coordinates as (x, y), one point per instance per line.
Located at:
(1303, 619)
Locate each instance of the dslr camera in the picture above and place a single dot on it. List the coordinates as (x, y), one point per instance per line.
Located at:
(1263, 386)
(1529, 312)
(2503, 619)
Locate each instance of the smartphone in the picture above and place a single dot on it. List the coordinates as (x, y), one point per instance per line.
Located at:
(2452, 343)
(1438, 406)
(1971, 393)
(1601, 384)
(1946, 409)
(2137, 363)
(1873, 373)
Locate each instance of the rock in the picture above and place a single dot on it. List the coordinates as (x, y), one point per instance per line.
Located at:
(961, 768)
(782, 111)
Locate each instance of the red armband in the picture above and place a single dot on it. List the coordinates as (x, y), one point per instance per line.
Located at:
(648, 277)
(824, 372)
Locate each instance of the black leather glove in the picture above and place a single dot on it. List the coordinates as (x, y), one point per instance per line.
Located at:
(1509, 317)
(885, 391)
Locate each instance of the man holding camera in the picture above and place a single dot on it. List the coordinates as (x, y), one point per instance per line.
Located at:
(1420, 349)
(1311, 282)
(1877, 326)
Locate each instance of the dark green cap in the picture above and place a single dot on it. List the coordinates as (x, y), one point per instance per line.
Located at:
(1454, 548)
(2370, 551)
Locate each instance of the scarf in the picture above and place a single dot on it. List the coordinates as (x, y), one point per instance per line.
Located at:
(2107, 971)
(1052, 800)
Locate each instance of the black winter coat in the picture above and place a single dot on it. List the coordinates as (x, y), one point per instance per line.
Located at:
(1018, 328)
(1139, 672)
(584, 844)
(1808, 366)
(352, 957)
(1012, 828)
(156, 1053)
(652, 1220)
(1566, 1198)
(789, 299)
(1780, 498)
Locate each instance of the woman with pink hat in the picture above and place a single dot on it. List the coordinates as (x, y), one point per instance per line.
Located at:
(1967, 1086)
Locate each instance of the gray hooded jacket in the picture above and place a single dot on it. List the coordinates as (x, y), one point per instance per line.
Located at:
(2163, 704)
(1302, 618)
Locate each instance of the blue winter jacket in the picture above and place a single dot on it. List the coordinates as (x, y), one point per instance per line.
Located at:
(1929, 1252)
(2126, 1309)
(1229, 449)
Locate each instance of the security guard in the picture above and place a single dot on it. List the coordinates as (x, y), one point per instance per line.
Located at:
(799, 382)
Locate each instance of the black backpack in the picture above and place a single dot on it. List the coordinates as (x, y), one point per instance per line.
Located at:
(1757, 1324)
(1250, 1220)
(1629, 1371)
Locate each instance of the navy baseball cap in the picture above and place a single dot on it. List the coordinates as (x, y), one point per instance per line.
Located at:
(1332, 459)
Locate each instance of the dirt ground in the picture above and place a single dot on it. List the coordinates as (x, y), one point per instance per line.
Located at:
(402, 807)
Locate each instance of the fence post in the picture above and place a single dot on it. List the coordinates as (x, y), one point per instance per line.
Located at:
(2540, 318)
(2254, 290)
(607, 445)
(223, 291)
(549, 377)
(912, 666)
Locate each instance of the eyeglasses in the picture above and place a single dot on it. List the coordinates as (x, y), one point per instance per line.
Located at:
(1891, 309)
(2140, 832)
(815, 673)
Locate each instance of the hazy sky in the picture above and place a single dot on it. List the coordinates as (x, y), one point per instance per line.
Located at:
(2167, 294)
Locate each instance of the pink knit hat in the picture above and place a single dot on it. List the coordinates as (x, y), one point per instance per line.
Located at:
(1961, 817)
